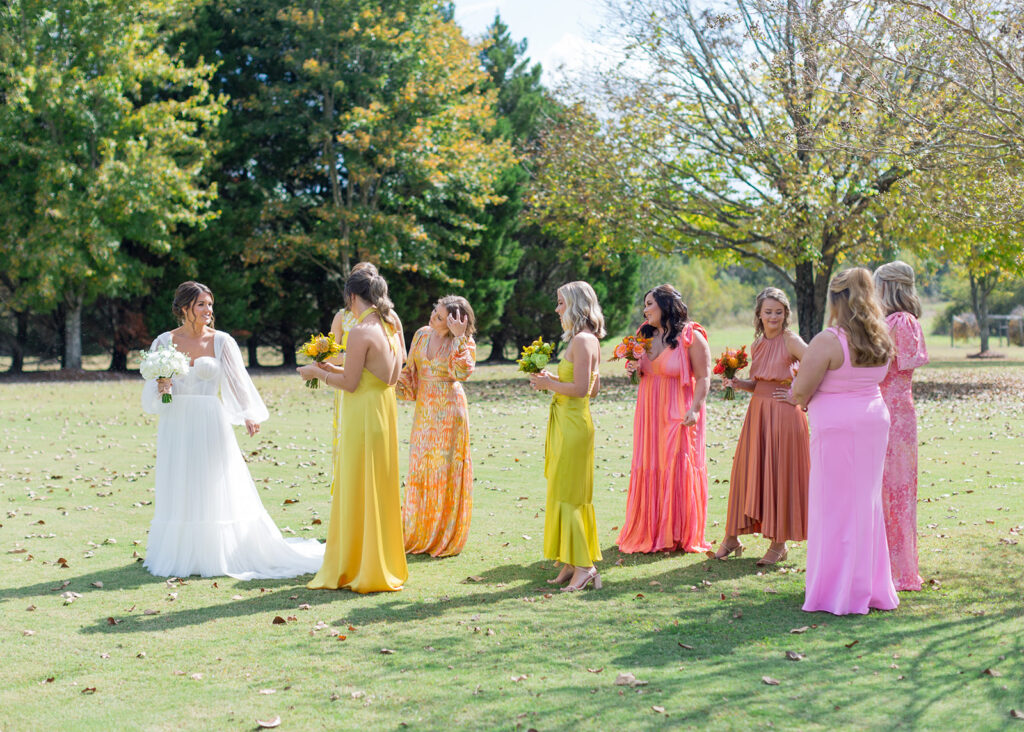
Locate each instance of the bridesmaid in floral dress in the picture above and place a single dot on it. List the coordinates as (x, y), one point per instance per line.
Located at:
(439, 486)
(894, 283)
(667, 504)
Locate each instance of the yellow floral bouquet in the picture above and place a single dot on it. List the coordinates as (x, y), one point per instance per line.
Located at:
(319, 347)
(536, 356)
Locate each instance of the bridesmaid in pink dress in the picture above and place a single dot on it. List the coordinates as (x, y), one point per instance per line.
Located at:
(847, 555)
(894, 283)
(668, 483)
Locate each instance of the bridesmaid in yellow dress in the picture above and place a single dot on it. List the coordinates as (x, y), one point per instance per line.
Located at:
(439, 486)
(364, 551)
(570, 530)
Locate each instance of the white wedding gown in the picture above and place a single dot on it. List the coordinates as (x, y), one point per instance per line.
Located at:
(208, 518)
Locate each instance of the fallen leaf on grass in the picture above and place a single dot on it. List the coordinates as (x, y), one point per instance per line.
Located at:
(28, 632)
(274, 721)
(596, 670)
(1016, 714)
(150, 612)
(236, 597)
(768, 680)
(30, 608)
(991, 672)
(69, 597)
(801, 629)
(98, 585)
(289, 501)
(628, 679)
(196, 677)
(278, 620)
(47, 680)
(268, 691)
(472, 578)
(794, 656)
(89, 690)
(659, 710)
(852, 644)
(386, 651)
(341, 637)
(316, 522)
(305, 606)
(683, 645)
(520, 678)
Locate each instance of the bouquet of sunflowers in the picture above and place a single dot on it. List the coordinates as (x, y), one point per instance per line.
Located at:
(631, 349)
(535, 356)
(728, 364)
(319, 348)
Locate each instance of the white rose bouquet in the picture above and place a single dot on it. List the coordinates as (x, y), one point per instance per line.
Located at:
(163, 363)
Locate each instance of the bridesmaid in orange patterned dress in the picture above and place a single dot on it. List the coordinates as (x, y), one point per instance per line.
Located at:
(894, 283)
(439, 487)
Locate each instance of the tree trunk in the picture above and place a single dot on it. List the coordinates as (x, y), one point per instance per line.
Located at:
(251, 344)
(810, 299)
(288, 351)
(73, 331)
(18, 344)
(980, 288)
(118, 360)
(499, 339)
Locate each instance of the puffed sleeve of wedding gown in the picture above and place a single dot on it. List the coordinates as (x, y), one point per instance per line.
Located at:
(237, 392)
(151, 402)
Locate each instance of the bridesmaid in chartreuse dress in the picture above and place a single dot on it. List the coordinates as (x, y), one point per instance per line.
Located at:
(365, 550)
(570, 530)
(895, 285)
(847, 554)
(439, 485)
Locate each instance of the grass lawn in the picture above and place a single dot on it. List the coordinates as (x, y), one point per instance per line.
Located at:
(479, 640)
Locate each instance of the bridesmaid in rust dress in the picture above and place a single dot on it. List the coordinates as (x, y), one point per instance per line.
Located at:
(768, 487)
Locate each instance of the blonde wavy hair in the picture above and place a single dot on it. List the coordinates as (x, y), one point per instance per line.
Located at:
(854, 307)
(894, 283)
(770, 293)
(582, 310)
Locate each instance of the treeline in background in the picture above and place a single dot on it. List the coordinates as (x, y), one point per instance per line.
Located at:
(263, 147)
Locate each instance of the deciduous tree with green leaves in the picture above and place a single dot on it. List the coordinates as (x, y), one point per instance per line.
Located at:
(102, 147)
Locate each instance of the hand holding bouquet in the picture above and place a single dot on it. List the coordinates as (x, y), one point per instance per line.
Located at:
(728, 364)
(535, 356)
(320, 347)
(164, 362)
(631, 349)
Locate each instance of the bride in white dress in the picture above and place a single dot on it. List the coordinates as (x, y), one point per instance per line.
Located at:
(208, 517)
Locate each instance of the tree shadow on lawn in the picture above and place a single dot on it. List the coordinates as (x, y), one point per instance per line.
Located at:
(509, 582)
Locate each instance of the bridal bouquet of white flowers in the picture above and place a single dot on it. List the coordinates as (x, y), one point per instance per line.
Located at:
(163, 363)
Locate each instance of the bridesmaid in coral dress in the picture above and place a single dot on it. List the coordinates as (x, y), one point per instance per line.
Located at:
(666, 508)
(439, 486)
(895, 285)
(570, 529)
(768, 486)
(847, 555)
(364, 551)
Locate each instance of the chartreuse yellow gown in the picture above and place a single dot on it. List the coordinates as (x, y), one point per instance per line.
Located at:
(365, 551)
(570, 530)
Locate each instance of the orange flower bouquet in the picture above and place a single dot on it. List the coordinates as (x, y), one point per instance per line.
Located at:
(728, 364)
(631, 349)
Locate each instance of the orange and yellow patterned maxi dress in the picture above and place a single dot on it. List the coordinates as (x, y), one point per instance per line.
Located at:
(439, 486)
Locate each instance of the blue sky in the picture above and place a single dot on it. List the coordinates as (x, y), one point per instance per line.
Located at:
(557, 31)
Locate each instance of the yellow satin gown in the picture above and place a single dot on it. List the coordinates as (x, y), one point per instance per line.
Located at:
(570, 529)
(365, 550)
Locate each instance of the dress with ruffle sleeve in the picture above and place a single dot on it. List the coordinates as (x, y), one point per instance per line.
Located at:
(899, 481)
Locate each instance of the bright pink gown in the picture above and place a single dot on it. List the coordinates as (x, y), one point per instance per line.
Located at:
(666, 508)
(847, 555)
(899, 482)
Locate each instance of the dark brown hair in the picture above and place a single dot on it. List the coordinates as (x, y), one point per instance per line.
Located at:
(369, 285)
(673, 314)
(185, 296)
(459, 306)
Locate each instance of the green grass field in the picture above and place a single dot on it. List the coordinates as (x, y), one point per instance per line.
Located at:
(478, 640)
